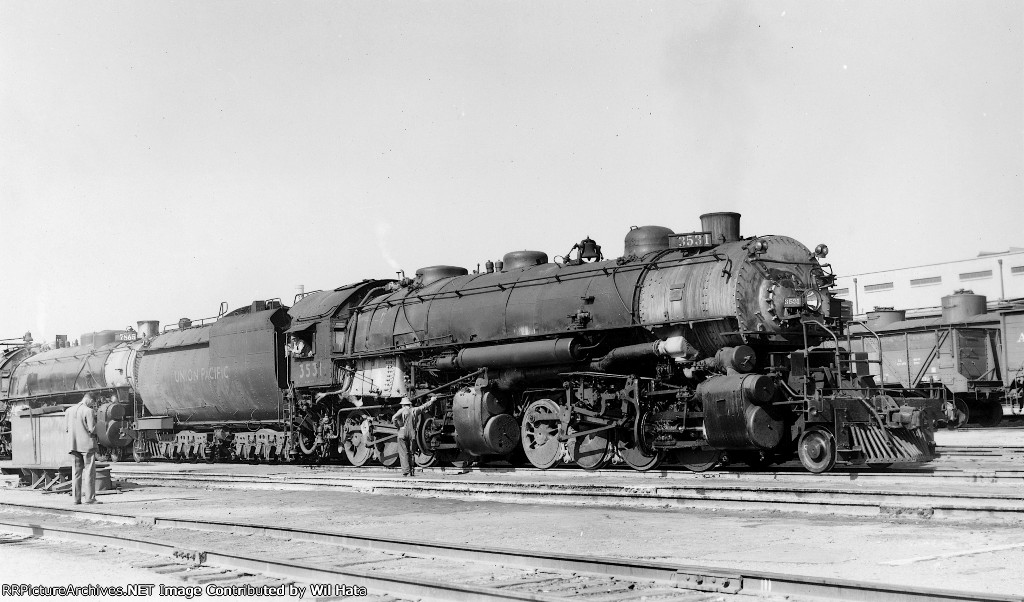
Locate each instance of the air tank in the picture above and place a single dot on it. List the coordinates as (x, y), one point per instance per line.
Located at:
(723, 226)
(883, 316)
(962, 305)
(646, 239)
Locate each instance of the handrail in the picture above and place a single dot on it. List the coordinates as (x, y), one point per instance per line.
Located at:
(804, 321)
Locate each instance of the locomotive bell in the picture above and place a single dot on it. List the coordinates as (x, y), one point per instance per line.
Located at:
(590, 250)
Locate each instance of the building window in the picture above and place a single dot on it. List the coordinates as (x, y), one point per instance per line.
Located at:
(1017, 270)
(976, 275)
(841, 291)
(874, 288)
(926, 281)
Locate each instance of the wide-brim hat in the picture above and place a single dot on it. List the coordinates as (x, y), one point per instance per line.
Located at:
(405, 402)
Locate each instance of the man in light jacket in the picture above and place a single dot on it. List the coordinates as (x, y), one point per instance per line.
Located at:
(407, 420)
(80, 423)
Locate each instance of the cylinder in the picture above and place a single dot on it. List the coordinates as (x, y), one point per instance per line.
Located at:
(723, 226)
(740, 358)
(481, 426)
(960, 306)
(148, 328)
(736, 412)
(111, 429)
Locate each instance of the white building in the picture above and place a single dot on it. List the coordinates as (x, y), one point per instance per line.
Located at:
(998, 276)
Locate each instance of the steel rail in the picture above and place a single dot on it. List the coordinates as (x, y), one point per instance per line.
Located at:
(860, 502)
(404, 586)
(1011, 471)
(683, 576)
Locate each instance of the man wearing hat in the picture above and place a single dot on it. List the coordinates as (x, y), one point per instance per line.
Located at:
(80, 424)
(407, 418)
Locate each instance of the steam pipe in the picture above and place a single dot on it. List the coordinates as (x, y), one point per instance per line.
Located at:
(675, 347)
(533, 353)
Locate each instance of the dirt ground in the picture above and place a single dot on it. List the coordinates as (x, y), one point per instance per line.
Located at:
(911, 552)
(53, 563)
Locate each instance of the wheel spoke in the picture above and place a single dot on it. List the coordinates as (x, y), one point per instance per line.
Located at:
(540, 434)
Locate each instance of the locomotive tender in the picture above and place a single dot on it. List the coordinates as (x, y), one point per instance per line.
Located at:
(700, 348)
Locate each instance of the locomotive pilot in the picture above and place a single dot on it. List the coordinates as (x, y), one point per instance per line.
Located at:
(80, 424)
(407, 418)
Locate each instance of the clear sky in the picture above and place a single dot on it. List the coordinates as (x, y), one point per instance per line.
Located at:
(157, 158)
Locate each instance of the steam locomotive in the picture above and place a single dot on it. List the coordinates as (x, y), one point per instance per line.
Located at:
(698, 348)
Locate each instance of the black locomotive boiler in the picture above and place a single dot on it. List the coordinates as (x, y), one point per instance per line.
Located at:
(698, 348)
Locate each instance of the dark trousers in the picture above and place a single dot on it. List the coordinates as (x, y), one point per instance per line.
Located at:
(83, 476)
(406, 451)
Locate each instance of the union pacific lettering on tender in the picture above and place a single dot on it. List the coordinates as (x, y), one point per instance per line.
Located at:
(213, 373)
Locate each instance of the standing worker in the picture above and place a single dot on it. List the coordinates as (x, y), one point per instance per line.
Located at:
(80, 423)
(407, 419)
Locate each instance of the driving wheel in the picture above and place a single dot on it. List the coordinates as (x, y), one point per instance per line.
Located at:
(540, 434)
(387, 452)
(355, 430)
(632, 448)
(306, 431)
(591, 451)
(699, 460)
(817, 450)
(638, 459)
(423, 457)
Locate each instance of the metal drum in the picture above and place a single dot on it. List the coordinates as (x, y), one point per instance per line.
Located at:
(960, 306)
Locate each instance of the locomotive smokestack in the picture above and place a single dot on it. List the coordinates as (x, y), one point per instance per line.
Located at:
(148, 328)
(723, 226)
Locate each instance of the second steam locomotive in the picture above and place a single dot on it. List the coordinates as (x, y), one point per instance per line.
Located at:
(700, 349)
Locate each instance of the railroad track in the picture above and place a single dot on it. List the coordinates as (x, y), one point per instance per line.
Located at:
(833, 497)
(208, 554)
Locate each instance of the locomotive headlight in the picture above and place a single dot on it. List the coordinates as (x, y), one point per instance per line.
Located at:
(821, 251)
(813, 300)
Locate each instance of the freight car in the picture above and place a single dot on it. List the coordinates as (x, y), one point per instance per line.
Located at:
(701, 348)
(967, 356)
